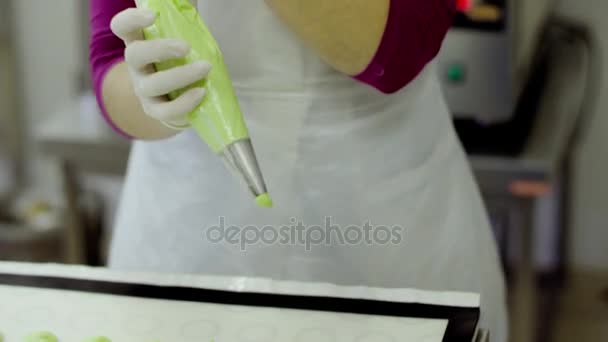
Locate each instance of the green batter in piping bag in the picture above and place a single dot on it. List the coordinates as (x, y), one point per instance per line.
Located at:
(218, 120)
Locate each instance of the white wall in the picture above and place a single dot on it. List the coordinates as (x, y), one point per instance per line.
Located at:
(589, 242)
(49, 65)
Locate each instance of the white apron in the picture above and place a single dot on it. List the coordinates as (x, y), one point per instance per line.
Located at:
(330, 149)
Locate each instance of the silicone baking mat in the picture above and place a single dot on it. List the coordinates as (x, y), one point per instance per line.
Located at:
(74, 309)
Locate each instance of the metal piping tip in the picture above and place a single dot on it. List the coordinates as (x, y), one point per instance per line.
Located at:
(240, 158)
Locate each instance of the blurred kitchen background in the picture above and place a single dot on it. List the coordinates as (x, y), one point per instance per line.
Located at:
(527, 81)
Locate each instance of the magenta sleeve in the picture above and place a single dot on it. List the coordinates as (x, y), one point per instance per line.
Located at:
(105, 48)
(413, 36)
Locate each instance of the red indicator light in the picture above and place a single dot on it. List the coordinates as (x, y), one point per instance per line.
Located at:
(464, 5)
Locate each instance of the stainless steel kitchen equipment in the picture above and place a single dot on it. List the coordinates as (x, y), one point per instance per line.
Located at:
(488, 55)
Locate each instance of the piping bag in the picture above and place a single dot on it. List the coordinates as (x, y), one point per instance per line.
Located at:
(218, 120)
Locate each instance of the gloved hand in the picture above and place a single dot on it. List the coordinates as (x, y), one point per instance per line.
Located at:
(151, 86)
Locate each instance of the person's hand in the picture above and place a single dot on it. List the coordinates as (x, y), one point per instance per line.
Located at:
(151, 86)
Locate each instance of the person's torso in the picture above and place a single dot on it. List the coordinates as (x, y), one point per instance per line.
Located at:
(283, 85)
(330, 148)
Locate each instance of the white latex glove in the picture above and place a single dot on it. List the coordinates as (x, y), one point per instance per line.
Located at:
(151, 86)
